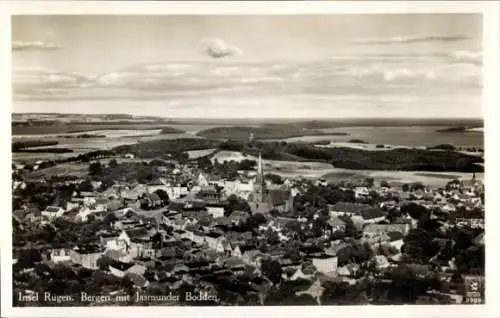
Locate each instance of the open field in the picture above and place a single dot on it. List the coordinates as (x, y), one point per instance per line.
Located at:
(398, 177)
(195, 154)
(74, 169)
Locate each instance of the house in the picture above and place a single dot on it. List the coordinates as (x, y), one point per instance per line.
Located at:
(119, 242)
(118, 255)
(60, 255)
(235, 264)
(372, 215)
(346, 208)
(238, 217)
(32, 215)
(135, 193)
(299, 274)
(252, 257)
(86, 256)
(373, 233)
(361, 192)
(381, 262)
(137, 269)
(52, 212)
(214, 241)
(149, 201)
(97, 211)
(348, 270)
(137, 233)
(335, 224)
(325, 264)
(215, 211)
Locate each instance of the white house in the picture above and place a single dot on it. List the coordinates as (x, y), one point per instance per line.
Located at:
(215, 212)
(52, 212)
(119, 243)
(60, 255)
(325, 264)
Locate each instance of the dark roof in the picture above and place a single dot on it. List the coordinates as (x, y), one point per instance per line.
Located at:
(372, 212)
(278, 196)
(52, 209)
(394, 235)
(87, 249)
(213, 235)
(140, 232)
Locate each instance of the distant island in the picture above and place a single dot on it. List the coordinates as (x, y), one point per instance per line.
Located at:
(265, 131)
(171, 130)
(457, 129)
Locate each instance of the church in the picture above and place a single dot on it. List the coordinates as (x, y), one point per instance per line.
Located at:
(262, 200)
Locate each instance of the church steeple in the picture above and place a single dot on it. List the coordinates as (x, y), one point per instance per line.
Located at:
(260, 172)
(260, 184)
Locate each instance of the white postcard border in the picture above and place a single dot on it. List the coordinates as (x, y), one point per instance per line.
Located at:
(490, 11)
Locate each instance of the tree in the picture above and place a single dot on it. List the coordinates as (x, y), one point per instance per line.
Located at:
(406, 187)
(205, 164)
(457, 278)
(419, 245)
(384, 184)
(28, 258)
(274, 178)
(414, 210)
(255, 220)
(272, 269)
(95, 168)
(86, 186)
(272, 237)
(110, 218)
(163, 196)
(415, 186)
(113, 163)
(235, 203)
(103, 262)
(369, 182)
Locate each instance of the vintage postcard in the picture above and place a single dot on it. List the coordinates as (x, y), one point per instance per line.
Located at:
(170, 157)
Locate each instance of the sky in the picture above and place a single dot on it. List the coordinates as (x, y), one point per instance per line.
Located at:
(208, 66)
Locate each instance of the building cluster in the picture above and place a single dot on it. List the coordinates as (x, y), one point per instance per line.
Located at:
(197, 235)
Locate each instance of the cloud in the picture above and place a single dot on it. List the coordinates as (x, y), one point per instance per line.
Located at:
(217, 48)
(412, 39)
(34, 46)
(474, 57)
(162, 81)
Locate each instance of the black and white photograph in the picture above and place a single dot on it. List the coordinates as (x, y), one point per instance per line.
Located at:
(247, 160)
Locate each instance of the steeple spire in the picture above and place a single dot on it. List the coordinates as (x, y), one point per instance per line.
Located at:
(259, 168)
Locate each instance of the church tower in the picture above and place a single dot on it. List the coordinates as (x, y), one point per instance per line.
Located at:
(259, 182)
(257, 201)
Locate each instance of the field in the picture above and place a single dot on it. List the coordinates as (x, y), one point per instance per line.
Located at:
(397, 177)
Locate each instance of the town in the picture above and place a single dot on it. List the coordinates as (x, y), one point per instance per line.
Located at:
(178, 229)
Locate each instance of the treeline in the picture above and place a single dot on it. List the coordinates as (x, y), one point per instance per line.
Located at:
(161, 148)
(20, 145)
(341, 157)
